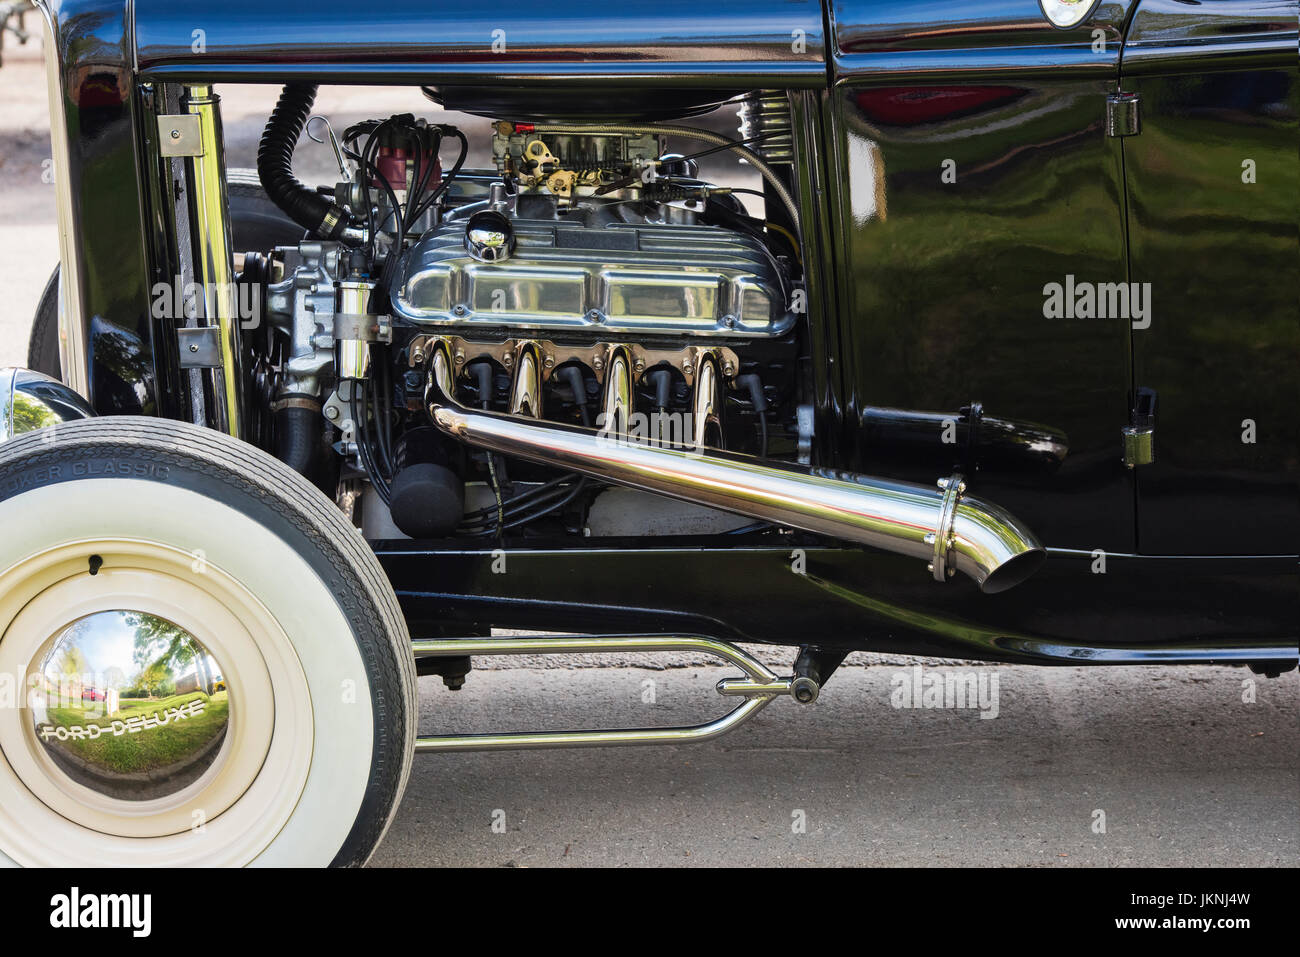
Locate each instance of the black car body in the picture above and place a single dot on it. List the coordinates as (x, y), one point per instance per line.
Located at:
(1054, 266)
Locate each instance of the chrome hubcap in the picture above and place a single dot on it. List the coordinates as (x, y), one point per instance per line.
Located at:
(129, 705)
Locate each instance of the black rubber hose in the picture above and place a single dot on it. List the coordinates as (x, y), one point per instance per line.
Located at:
(306, 207)
(482, 371)
(295, 438)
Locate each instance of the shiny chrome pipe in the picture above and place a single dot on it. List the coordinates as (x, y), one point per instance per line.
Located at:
(759, 687)
(940, 525)
(616, 409)
(526, 387)
(706, 403)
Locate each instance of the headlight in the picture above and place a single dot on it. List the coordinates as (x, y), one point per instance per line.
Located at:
(1067, 13)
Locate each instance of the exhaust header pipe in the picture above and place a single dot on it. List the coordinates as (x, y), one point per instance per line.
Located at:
(939, 525)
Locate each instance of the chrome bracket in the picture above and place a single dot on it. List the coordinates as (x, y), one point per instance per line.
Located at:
(1139, 445)
(758, 688)
(806, 418)
(180, 135)
(199, 139)
(1140, 433)
(200, 348)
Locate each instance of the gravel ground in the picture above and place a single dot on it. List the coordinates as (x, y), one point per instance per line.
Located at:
(1184, 771)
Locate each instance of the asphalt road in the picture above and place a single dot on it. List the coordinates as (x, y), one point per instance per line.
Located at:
(1184, 771)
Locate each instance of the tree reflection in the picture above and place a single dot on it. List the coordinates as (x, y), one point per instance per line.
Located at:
(30, 414)
(162, 651)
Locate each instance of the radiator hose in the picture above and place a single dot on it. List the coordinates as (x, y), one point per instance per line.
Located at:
(308, 208)
(297, 433)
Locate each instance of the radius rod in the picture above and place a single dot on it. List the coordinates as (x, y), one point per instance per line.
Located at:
(758, 688)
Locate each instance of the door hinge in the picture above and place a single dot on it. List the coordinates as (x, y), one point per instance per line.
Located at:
(1123, 114)
(1140, 434)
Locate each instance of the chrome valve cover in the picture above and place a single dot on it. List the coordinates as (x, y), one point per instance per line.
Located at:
(615, 278)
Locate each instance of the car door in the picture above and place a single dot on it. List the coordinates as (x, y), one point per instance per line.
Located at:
(975, 187)
(1213, 189)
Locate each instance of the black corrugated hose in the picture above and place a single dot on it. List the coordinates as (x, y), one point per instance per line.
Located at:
(314, 212)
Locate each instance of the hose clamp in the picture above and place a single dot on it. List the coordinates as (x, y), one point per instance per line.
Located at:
(296, 402)
(328, 224)
(942, 565)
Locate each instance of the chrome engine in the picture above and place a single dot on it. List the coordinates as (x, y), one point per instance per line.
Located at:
(491, 350)
(591, 278)
(580, 248)
(582, 235)
(582, 275)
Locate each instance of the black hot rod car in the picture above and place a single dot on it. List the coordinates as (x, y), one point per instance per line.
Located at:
(983, 344)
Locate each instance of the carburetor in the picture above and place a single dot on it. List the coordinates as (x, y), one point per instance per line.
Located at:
(567, 164)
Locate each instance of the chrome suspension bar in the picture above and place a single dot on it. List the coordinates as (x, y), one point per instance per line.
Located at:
(759, 687)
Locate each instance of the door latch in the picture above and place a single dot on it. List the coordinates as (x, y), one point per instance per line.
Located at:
(1140, 434)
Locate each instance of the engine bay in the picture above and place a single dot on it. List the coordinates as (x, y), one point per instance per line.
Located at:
(592, 279)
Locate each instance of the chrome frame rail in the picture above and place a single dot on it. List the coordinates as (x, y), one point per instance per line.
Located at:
(210, 216)
(759, 686)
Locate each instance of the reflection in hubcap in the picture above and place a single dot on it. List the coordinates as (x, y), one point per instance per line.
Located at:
(129, 705)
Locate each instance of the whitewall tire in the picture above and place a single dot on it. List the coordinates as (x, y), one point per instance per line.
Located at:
(201, 661)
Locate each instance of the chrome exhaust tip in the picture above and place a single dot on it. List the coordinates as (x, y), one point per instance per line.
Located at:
(938, 524)
(992, 547)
